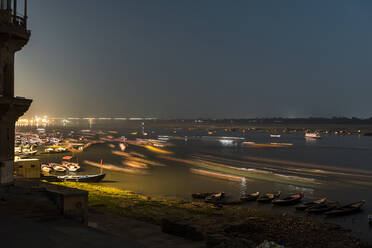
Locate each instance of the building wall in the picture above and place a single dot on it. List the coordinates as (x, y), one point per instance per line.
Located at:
(28, 168)
(13, 37)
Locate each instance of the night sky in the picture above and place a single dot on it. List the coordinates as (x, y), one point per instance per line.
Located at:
(190, 59)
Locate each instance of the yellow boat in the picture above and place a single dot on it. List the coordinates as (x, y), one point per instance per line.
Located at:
(269, 145)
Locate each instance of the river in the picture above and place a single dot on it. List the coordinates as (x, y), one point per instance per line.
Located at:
(336, 167)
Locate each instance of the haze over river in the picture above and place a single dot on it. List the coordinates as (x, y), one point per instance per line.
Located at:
(336, 167)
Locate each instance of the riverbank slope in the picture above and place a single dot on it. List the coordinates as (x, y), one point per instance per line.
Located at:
(209, 223)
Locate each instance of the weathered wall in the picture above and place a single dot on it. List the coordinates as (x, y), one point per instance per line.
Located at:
(13, 36)
(6, 69)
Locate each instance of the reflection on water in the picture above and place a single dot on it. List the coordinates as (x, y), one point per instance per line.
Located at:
(243, 183)
(310, 140)
(336, 167)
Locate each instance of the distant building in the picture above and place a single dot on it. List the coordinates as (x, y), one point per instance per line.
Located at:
(13, 37)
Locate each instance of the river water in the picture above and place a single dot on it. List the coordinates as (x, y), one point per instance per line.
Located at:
(336, 167)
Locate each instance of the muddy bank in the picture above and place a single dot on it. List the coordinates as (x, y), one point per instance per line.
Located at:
(209, 222)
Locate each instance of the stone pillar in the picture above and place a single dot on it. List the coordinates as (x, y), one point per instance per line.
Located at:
(8, 78)
(6, 152)
(10, 110)
(13, 36)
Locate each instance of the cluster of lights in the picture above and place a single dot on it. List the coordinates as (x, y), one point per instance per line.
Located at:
(33, 121)
(44, 120)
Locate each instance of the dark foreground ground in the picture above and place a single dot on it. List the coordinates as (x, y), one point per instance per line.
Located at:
(28, 219)
(125, 219)
(207, 225)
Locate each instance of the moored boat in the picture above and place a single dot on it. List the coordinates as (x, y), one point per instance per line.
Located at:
(347, 209)
(122, 147)
(267, 198)
(73, 167)
(323, 207)
(275, 135)
(55, 149)
(46, 168)
(291, 199)
(263, 145)
(215, 198)
(313, 135)
(58, 167)
(202, 195)
(307, 205)
(82, 178)
(250, 197)
(282, 144)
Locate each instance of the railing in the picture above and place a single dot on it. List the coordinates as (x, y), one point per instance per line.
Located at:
(8, 10)
(19, 20)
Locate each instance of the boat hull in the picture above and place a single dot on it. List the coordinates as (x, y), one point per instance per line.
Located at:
(85, 179)
(82, 179)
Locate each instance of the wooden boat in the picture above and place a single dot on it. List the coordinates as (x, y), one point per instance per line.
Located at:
(313, 135)
(274, 135)
(323, 207)
(291, 199)
(266, 198)
(73, 167)
(46, 168)
(49, 178)
(57, 167)
(347, 209)
(250, 197)
(30, 152)
(257, 145)
(53, 150)
(202, 195)
(215, 198)
(24, 156)
(307, 205)
(81, 178)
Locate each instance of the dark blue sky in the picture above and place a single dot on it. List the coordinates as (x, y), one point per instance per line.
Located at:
(193, 59)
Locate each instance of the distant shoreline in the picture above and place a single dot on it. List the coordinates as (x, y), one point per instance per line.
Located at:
(356, 127)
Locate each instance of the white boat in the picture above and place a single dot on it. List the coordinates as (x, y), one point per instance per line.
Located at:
(122, 147)
(49, 150)
(58, 167)
(29, 152)
(71, 166)
(17, 150)
(46, 168)
(313, 135)
(282, 144)
(163, 137)
(275, 135)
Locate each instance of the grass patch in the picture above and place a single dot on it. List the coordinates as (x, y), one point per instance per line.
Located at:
(257, 225)
(134, 205)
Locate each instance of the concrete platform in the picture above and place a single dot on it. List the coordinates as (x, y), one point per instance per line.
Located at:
(21, 232)
(28, 218)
